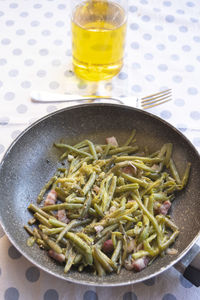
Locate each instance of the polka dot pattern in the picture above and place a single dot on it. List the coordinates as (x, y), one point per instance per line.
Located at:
(130, 296)
(51, 295)
(32, 274)
(11, 294)
(14, 253)
(162, 51)
(90, 295)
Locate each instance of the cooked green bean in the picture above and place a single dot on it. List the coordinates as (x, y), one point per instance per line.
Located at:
(130, 138)
(108, 206)
(89, 184)
(45, 188)
(68, 206)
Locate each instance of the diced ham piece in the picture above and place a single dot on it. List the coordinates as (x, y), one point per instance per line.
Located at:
(61, 215)
(136, 265)
(130, 169)
(59, 257)
(163, 209)
(98, 228)
(51, 198)
(108, 246)
(112, 141)
(140, 263)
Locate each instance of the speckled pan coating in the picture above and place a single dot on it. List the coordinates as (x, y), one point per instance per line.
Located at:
(31, 160)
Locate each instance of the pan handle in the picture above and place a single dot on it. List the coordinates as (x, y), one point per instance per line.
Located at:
(189, 265)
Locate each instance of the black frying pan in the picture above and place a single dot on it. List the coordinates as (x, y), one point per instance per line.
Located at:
(32, 159)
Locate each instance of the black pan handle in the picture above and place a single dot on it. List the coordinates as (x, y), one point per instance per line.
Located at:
(189, 265)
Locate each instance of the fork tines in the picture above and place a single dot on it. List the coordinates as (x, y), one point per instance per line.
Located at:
(156, 99)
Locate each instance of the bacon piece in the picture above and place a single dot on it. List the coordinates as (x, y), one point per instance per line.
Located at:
(108, 246)
(51, 198)
(136, 265)
(61, 215)
(112, 141)
(140, 263)
(163, 209)
(59, 257)
(130, 169)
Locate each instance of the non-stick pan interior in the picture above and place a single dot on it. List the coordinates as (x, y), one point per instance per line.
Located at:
(32, 160)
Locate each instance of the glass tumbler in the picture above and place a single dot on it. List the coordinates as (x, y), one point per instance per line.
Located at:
(98, 38)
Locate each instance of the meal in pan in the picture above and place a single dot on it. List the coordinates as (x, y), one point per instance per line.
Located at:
(107, 206)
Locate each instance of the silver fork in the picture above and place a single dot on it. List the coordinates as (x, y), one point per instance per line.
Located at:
(142, 103)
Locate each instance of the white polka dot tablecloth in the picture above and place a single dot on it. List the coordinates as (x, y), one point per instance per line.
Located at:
(162, 51)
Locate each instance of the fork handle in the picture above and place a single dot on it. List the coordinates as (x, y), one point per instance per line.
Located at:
(45, 97)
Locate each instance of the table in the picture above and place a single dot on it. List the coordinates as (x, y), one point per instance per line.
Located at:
(162, 51)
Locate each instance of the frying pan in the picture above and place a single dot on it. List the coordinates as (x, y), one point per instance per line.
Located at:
(31, 160)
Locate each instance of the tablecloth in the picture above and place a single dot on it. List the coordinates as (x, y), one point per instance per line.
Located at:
(162, 51)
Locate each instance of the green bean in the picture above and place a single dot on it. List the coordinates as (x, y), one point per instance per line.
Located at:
(127, 149)
(140, 254)
(28, 229)
(70, 260)
(152, 219)
(168, 155)
(186, 175)
(109, 228)
(133, 179)
(98, 210)
(86, 238)
(89, 184)
(104, 260)
(67, 206)
(77, 241)
(151, 186)
(61, 193)
(36, 233)
(172, 238)
(45, 188)
(167, 221)
(73, 149)
(77, 259)
(65, 230)
(151, 251)
(103, 239)
(117, 251)
(110, 193)
(92, 149)
(52, 231)
(174, 171)
(86, 205)
(130, 138)
(30, 241)
(35, 208)
(31, 221)
(56, 223)
(42, 219)
(51, 243)
(127, 187)
(133, 159)
(100, 270)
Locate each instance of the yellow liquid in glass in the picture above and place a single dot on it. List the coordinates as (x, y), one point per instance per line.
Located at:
(98, 38)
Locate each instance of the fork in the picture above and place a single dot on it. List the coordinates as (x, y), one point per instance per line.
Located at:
(142, 103)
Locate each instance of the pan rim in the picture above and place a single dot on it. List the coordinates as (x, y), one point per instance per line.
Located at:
(85, 282)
